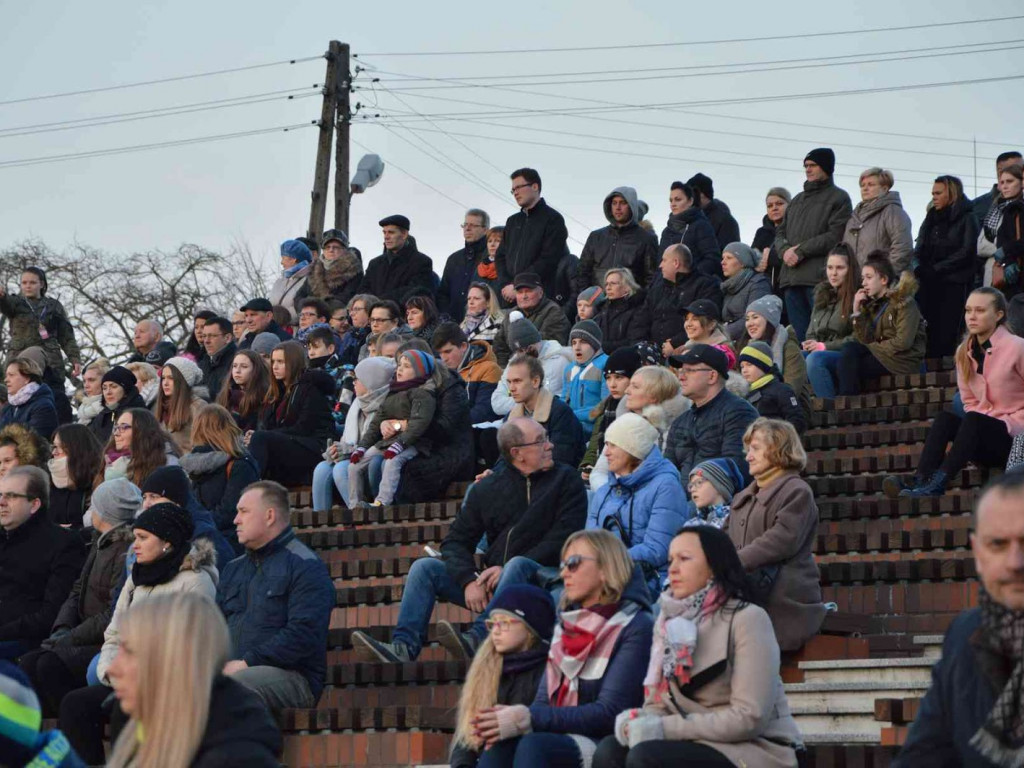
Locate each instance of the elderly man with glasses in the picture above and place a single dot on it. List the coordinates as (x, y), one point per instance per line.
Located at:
(526, 512)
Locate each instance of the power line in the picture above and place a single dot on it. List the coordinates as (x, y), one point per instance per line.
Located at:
(758, 39)
(175, 79)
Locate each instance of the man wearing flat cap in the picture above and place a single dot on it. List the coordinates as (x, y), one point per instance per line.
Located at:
(401, 271)
(531, 303)
(259, 318)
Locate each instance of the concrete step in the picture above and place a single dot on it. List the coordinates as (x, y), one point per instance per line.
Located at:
(852, 694)
(931, 645)
(909, 670)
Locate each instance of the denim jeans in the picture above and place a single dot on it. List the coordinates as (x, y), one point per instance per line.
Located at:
(821, 370)
(428, 580)
(390, 475)
(328, 476)
(799, 303)
(534, 750)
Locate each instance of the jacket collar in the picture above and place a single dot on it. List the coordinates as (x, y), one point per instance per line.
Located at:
(26, 528)
(538, 208)
(228, 349)
(282, 540)
(542, 413)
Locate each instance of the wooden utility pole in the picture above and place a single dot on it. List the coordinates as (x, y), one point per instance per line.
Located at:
(341, 168)
(323, 151)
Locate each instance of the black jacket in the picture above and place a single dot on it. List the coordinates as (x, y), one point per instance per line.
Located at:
(217, 368)
(459, 272)
(307, 414)
(534, 241)
(157, 356)
(273, 327)
(710, 431)
(621, 322)
(947, 245)
(692, 229)
(39, 562)
(727, 229)
(765, 238)
(239, 731)
(630, 246)
(218, 482)
(776, 400)
(68, 505)
(521, 516)
(1010, 236)
(398, 275)
(664, 309)
(103, 422)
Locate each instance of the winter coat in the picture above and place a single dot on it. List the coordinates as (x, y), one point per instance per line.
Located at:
(335, 280)
(881, 224)
(217, 368)
(692, 229)
(777, 526)
(549, 319)
(764, 237)
(1010, 237)
(828, 325)
(620, 321)
(892, 327)
(583, 388)
(628, 245)
(521, 515)
(947, 245)
(307, 415)
(459, 272)
(620, 688)
(24, 319)
(288, 291)
(777, 400)
(564, 430)
(39, 413)
(68, 505)
(738, 291)
(734, 702)
(789, 359)
(648, 507)
(998, 392)
(103, 423)
(710, 431)
(197, 574)
(277, 601)
(426, 478)
(815, 221)
(218, 481)
(39, 562)
(664, 308)
(157, 356)
(727, 229)
(481, 372)
(416, 407)
(272, 327)
(553, 358)
(535, 240)
(240, 733)
(399, 275)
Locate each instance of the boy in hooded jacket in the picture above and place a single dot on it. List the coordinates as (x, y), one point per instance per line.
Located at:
(584, 387)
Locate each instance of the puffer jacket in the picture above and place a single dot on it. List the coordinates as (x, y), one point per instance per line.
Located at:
(828, 325)
(738, 291)
(39, 413)
(481, 372)
(892, 327)
(218, 481)
(27, 316)
(628, 245)
(815, 221)
(583, 388)
(710, 431)
(881, 225)
(947, 245)
(549, 319)
(664, 309)
(620, 321)
(288, 291)
(534, 241)
(336, 280)
(416, 407)
(692, 229)
(648, 508)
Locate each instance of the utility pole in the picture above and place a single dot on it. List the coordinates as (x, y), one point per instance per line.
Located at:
(344, 119)
(318, 207)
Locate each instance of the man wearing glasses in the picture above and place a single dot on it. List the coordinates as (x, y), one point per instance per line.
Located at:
(713, 428)
(219, 343)
(460, 269)
(401, 271)
(526, 511)
(39, 562)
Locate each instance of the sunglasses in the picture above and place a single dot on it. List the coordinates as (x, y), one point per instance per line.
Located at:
(573, 562)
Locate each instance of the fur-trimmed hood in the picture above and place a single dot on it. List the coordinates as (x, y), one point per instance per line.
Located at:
(203, 462)
(898, 295)
(201, 557)
(662, 415)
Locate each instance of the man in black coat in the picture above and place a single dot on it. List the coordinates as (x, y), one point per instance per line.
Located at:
(401, 271)
(460, 269)
(39, 562)
(727, 229)
(535, 239)
(623, 243)
(526, 511)
(219, 343)
(259, 318)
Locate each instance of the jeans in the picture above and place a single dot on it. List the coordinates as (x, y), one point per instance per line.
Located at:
(856, 364)
(278, 688)
(821, 370)
(534, 750)
(390, 475)
(975, 437)
(658, 754)
(328, 476)
(427, 581)
(799, 303)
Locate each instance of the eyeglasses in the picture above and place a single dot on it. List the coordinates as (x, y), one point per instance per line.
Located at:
(573, 562)
(520, 186)
(497, 626)
(119, 428)
(381, 320)
(694, 484)
(310, 313)
(687, 372)
(467, 225)
(543, 439)
(11, 495)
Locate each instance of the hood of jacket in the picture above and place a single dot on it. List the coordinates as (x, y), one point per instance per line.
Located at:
(477, 352)
(654, 465)
(825, 294)
(201, 557)
(629, 195)
(662, 415)
(905, 290)
(865, 209)
(202, 460)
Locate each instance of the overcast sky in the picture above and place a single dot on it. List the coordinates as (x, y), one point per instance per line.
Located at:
(257, 188)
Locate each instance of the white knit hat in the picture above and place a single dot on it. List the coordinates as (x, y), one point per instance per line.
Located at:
(188, 370)
(633, 434)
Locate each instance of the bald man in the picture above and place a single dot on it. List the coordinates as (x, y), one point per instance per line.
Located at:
(150, 346)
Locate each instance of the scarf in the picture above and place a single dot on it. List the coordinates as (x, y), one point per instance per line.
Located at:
(401, 386)
(149, 391)
(372, 400)
(733, 285)
(994, 217)
(761, 382)
(675, 637)
(59, 472)
(1001, 738)
(24, 394)
(524, 661)
(581, 647)
(291, 271)
(767, 478)
(160, 571)
(487, 270)
(715, 515)
(677, 223)
(471, 322)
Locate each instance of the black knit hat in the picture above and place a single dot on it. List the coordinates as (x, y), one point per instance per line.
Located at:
(824, 157)
(703, 184)
(624, 361)
(531, 605)
(123, 378)
(169, 482)
(169, 522)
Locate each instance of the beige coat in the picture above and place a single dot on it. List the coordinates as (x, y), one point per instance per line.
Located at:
(881, 225)
(735, 702)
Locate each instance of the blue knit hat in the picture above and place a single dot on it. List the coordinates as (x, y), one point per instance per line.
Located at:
(723, 474)
(297, 250)
(422, 362)
(531, 605)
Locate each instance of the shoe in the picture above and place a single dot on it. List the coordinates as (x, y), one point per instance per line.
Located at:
(461, 646)
(377, 503)
(936, 486)
(368, 649)
(894, 485)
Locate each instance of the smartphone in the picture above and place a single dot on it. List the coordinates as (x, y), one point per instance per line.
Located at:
(431, 552)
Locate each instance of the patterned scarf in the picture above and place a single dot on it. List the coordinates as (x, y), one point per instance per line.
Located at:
(582, 647)
(675, 637)
(24, 394)
(994, 217)
(1001, 738)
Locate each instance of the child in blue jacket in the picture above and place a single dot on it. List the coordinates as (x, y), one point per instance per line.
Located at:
(583, 386)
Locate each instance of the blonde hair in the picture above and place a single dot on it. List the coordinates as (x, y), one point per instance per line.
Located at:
(493, 307)
(962, 356)
(181, 643)
(885, 177)
(613, 561)
(659, 383)
(627, 278)
(143, 372)
(215, 426)
(782, 444)
(100, 364)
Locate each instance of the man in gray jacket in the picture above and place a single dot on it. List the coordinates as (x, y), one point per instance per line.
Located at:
(623, 243)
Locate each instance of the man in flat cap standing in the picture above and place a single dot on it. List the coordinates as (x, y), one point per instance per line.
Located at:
(401, 271)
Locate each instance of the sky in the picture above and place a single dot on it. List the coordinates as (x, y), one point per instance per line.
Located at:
(648, 114)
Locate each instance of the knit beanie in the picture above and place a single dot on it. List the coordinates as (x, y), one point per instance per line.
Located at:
(744, 254)
(633, 434)
(531, 605)
(169, 482)
(702, 183)
(769, 307)
(723, 474)
(422, 362)
(123, 378)
(116, 501)
(650, 353)
(759, 354)
(188, 370)
(297, 250)
(824, 157)
(264, 343)
(624, 361)
(36, 355)
(588, 331)
(20, 713)
(375, 372)
(169, 522)
(521, 332)
(594, 296)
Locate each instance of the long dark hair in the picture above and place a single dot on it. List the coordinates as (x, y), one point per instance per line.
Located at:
(84, 452)
(192, 346)
(254, 391)
(149, 445)
(726, 568)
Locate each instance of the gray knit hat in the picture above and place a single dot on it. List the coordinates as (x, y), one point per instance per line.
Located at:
(521, 332)
(588, 331)
(723, 474)
(264, 343)
(769, 307)
(116, 501)
(744, 254)
(190, 372)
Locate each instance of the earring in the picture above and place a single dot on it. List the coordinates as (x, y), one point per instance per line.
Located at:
(166, 548)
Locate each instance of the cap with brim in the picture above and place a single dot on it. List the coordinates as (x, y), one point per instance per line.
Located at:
(335, 234)
(257, 305)
(702, 354)
(527, 280)
(705, 308)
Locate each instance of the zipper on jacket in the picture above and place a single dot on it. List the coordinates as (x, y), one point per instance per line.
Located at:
(508, 538)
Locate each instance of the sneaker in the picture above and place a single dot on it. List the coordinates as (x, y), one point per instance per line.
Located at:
(461, 646)
(893, 485)
(368, 649)
(377, 503)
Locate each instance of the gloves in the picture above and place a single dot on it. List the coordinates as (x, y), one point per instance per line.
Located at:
(61, 637)
(645, 728)
(356, 456)
(1011, 273)
(393, 450)
(621, 721)
(999, 256)
(514, 721)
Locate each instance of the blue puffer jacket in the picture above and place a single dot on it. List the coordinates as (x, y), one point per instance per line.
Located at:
(649, 507)
(621, 687)
(39, 413)
(277, 601)
(583, 388)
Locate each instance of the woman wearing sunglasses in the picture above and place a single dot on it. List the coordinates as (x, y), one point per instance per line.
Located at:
(508, 665)
(602, 638)
(713, 695)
